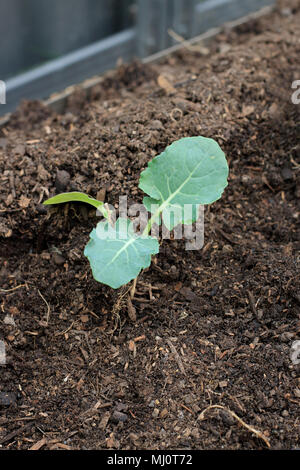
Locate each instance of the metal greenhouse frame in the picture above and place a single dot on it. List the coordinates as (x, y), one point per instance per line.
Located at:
(146, 34)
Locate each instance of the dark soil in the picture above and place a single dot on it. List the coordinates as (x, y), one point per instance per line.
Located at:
(214, 326)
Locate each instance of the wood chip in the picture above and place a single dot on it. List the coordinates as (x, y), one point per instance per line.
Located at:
(132, 347)
(104, 420)
(131, 310)
(247, 110)
(24, 202)
(15, 433)
(139, 338)
(165, 85)
(39, 444)
(176, 355)
(101, 195)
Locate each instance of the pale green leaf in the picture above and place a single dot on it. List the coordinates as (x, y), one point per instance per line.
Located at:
(174, 214)
(191, 171)
(116, 254)
(77, 197)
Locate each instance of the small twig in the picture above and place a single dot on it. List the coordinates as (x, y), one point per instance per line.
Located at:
(139, 338)
(177, 357)
(25, 418)
(146, 284)
(12, 183)
(15, 433)
(185, 43)
(297, 166)
(252, 302)
(65, 331)
(39, 444)
(250, 428)
(266, 182)
(10, 210)
(226, 236)
(14, 288)
(132, 290)
(186, 408)
(150, 292)
(131, 309)
(48, 307)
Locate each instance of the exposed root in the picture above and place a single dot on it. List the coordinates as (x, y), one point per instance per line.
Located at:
(48, 307)
(119, 304)
(13, 289)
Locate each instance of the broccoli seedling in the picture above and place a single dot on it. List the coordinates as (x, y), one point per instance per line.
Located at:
(192, 170)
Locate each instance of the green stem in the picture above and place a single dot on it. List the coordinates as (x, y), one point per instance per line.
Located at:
(152, 220)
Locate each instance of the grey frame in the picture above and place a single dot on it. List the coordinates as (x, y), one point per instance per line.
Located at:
(70, 69)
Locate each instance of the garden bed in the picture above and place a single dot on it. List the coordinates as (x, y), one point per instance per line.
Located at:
(214, 326)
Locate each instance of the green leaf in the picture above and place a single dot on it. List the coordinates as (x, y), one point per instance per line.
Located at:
(173, 213)
(77, 197)
(116, 254)
(152, 205)
(191, 171)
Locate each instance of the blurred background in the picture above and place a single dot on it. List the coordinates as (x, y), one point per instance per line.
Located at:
(47, 45)
(36, 31)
